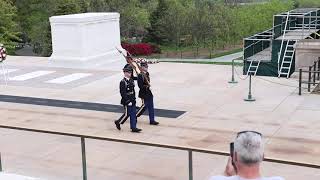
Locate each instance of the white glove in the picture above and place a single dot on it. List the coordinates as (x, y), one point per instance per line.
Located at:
(130, 104)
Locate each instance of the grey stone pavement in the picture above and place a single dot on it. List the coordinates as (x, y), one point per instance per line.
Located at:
(26, 51)
(215, 111)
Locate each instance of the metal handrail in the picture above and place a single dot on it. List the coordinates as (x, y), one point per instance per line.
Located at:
(311, 78)
(251, 44)
(167, 146)
(266, 31)
(283, 35)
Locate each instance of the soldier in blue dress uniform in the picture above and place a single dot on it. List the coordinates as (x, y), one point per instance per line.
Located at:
(145, 94)
(128, 100)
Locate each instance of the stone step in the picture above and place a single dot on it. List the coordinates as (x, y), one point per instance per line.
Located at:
(7, 176)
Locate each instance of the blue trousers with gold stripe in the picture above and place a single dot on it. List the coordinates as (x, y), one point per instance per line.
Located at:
(147, 104)
(130, 111)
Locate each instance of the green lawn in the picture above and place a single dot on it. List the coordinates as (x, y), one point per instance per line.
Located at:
(206, 62)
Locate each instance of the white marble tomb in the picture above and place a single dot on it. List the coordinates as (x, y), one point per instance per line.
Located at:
(87, 39)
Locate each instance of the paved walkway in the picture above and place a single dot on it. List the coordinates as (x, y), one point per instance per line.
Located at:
(26, 51)
(215, 111)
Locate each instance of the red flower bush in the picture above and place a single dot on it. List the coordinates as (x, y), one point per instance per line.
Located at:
(140, 49)
(155, 48)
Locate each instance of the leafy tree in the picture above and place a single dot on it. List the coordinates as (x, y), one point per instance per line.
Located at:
(34, 20)
(97, 5)
(157, 29)
(307, 3)
(166, 22)
(177, 20)
(9, 34)
(64, 7)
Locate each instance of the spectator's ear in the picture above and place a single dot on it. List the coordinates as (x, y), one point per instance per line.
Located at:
(230, 169)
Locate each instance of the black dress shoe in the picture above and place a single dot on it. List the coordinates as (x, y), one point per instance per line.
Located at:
(154, 123)
(117, 125)
(136, 130)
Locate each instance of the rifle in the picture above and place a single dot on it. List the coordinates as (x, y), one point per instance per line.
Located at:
(136, 67)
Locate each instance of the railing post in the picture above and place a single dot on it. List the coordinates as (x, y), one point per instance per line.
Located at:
(303, 27)
(318, 68)
(0, 163)
(300, 78)
(315, 24)
(310, 22)
(190, 165)
(232, 78)
(250, 98)
(314, 73)
(253, 49)
(309, 78)
(84, 161)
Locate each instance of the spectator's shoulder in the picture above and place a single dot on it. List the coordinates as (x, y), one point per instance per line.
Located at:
(222, 178)
(275, 178)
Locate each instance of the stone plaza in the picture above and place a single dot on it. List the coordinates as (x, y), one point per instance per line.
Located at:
(214, 111)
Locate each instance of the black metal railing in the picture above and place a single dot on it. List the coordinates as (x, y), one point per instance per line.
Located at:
(313, 76)
(183, 148)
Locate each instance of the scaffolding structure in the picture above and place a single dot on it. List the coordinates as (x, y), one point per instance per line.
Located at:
(271, 52)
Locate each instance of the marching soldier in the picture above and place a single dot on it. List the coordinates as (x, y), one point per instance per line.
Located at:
(145, 93)
(128, 100)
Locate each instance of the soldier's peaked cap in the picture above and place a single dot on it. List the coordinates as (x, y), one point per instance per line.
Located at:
(144, 63)
(127, 68)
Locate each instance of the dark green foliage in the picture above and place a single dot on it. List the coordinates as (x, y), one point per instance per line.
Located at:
(307, 3)
(157, 29)
(9, 33)
(174, 23)
(33, 17)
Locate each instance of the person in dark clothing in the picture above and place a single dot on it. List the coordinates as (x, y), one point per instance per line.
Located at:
(128, 100)
(145, 94)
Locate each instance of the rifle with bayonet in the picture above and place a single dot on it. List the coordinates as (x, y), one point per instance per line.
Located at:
(136, 67)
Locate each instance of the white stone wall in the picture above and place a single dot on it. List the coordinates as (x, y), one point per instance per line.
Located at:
(85, 39)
